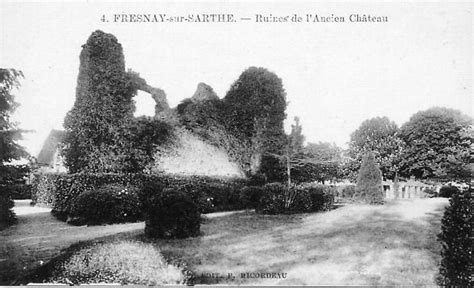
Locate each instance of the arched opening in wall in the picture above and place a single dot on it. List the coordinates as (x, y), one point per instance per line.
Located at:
(144, 104)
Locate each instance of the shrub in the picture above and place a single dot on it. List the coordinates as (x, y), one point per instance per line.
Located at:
(302, 201)
(147, 191)
(210, 196)
(108, 204)
(123, 262)
(273, 199)
(250, 196)
(457, 268)
(369, 182)
(59, 191)
(448, 191)
(322, 197)
(7, 216)
(172, 214)
(304, 198)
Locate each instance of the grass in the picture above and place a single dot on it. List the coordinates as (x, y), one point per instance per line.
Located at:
(394, 244)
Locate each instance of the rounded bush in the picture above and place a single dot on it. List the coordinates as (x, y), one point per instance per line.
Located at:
(448, 191)
(107, 204)
(172, 214)
(148, 190)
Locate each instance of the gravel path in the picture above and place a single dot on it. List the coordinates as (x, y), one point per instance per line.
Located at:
(38, 236)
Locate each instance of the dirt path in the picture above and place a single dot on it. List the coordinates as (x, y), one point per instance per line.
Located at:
(38, 236)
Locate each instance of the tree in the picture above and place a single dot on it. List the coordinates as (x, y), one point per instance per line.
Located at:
(322, 162)
(438, 143)
(9, 132)
(369, 181)
(254, 111)
(103, 104)
(9, 147)
(378, 135)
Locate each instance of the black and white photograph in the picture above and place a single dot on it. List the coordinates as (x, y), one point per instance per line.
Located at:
(236, 143)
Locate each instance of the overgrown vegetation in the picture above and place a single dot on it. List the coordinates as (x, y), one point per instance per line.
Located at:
(457, 266)
(247, 122)
(101, 133)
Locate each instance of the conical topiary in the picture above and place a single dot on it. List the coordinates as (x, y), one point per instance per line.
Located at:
(369, 182)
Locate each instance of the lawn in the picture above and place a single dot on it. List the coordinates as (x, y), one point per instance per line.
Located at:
(394, 244)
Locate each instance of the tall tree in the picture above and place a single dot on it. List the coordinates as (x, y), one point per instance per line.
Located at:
(438, 144)
(9, 147)
(103, 104)
(380, 136)
(254, 110)
(369, 181)
(9, 131)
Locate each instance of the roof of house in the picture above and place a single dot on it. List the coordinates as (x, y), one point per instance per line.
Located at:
(46, 155)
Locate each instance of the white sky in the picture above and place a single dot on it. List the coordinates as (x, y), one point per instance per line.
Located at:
(335, 74)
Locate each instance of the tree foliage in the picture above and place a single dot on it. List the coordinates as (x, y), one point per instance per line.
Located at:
(438, 143)
(9, 131)
(369, 181)
(321, 163)
(378, 135)
(9, 147)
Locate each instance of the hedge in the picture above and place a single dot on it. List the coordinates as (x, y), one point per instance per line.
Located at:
(457, 266)
(107, 204)
(304, 198)
(60, 191)
(21, 191)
